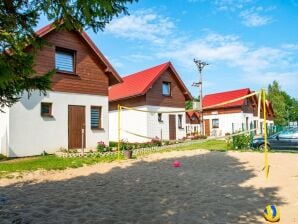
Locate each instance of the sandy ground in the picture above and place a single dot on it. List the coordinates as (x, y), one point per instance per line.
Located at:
(209, 187)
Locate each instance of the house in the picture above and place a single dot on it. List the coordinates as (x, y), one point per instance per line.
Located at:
(157, 89)
(192, 122)
(74, 114)
(234, 116)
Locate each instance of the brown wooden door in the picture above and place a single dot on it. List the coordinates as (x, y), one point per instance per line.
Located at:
(76, 122)
(207, 127)
(172, 126)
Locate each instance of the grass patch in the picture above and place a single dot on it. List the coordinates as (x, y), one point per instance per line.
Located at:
(48, 162)
(212, 145)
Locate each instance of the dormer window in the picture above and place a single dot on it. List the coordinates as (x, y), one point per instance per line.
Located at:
(166, 88)
(65, 60)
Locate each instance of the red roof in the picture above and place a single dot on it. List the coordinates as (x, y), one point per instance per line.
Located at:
(114, 77)
(138, 84)
(216, 98)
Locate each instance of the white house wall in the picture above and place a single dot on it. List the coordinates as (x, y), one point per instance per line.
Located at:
(31, 134)
(131, 121)
(144, 124)
(225, 123)
(4, 131)
(161, 129)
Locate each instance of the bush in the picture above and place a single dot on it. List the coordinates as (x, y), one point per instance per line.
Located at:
(3, 157)
(241, 141)
(156, 142)
(101, 147)
(113, 144)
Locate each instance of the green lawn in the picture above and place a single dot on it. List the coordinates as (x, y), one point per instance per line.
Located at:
(51, 162)
(48, 162)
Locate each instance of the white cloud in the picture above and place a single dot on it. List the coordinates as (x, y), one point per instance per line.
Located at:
(142, 25)
(231, 5)
(252, 18)
(229, 50)
(288, 79)
(293, 47)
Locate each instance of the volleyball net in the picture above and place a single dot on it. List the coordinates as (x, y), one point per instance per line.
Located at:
(153, 123)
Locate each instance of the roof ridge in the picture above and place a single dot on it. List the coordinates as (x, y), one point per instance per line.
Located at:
(229, 91)
(140, 72)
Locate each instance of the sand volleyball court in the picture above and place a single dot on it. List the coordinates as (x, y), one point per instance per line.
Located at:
(209, 187)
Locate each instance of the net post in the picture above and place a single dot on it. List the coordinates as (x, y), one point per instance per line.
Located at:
(118, 148)
(260, 96)
(265, 134)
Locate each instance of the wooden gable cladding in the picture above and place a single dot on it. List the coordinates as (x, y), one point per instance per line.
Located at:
(89, 77)
(129, 102)
(155, 97)
(224, 110)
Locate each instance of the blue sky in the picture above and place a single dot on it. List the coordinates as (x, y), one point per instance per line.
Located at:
(248, 43)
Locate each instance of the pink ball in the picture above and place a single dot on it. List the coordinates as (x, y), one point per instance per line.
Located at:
(176, 164)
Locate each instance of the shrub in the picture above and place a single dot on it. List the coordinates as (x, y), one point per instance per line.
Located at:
(241, 141)
(3, 157)
(125, 145)
(101, 146)
(113, 144)
(156, 142)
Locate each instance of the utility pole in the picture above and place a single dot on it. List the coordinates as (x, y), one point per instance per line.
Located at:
(200, 64)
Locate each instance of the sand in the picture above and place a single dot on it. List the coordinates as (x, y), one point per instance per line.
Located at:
(209, 187)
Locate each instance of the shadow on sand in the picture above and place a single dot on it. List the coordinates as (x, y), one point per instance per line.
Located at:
(205, 189)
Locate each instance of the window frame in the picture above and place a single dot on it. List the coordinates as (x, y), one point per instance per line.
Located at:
(99, 127)
(215, 126)
(65, 50)
(159, 117)
(180, 118)
(50, 114)
(170, 88)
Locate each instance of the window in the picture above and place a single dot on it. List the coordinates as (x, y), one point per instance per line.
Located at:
(166, 88)
(95, 117)
(64, 60)
(215, 123)
(46, 109)
(159, 117)
(179, 120)
(245, 102)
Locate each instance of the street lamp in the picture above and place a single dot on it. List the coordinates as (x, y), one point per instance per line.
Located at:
(200, 64)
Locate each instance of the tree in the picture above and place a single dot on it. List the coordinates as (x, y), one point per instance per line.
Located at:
(285, 107)
(17, 21)
(189, 104)
(291, 107)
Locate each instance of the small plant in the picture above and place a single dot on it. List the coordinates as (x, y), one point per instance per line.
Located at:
(3, 157)
(113, 144)
(228, 141)
(156, 141)
(125, 145)
(44, 153)
(62, 149)
(101, 147)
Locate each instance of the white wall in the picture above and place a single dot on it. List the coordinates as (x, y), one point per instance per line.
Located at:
(225, 122)
(155, 127)
(144, 124)
(4, 130)
(130, 120)
(31, 134)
